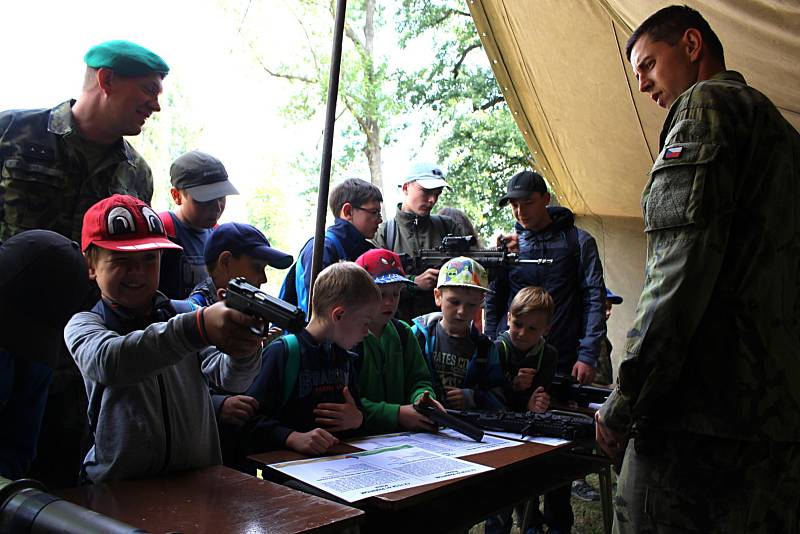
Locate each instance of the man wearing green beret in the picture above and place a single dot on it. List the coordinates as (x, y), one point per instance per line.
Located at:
(58, 162)
(55, 164)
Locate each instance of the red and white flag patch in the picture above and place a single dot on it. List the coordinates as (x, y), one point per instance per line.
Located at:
(673, 152)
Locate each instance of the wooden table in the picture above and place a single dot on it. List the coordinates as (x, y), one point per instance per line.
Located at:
(213, 500)
(519, 473)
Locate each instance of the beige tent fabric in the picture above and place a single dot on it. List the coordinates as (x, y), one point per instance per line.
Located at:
(562, 68)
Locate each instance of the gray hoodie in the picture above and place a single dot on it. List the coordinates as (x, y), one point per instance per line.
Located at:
(149, 402)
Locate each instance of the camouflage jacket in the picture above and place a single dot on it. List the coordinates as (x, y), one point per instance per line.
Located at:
(44, 181)
(715, 345)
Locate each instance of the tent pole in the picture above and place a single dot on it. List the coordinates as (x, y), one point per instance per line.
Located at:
(327, 145)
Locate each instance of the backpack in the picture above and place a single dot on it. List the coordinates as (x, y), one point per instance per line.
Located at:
(288, 291)
(292, 348)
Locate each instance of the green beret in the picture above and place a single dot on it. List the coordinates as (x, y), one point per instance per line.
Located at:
(125, 58)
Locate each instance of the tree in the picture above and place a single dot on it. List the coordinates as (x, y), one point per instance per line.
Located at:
(464, 109)
(366, 101)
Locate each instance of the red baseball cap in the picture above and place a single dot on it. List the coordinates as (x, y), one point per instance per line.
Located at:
(383, 265)
(122, 222)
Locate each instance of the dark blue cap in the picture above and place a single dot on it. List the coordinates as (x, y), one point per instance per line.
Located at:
(612, 297)
(238, 238)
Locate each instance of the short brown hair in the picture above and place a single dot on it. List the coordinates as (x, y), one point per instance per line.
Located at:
(532, 299)
(355, 191)
(343, 284)
(670, 23)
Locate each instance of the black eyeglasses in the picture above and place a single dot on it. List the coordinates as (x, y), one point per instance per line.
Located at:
(375, 212)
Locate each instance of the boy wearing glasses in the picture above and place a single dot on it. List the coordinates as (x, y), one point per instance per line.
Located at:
(356, 205)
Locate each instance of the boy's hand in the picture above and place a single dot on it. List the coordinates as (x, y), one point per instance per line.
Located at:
(427, 280)
(455, 398)
(273, 334)
(312, 443)
(539, 401)
(229, 330)
(511, 241)
(409, 418)
(524, 379)
(339, 416)
(426, 399)
(237, 409)
(584, 373)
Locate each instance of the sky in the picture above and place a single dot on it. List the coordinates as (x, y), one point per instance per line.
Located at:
(234, 104)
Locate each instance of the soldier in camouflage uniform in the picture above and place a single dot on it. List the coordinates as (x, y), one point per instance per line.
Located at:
(709, 385)
(54, 165)
(58, 162)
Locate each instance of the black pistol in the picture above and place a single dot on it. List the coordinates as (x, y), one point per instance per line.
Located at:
(451, 421)
(250, 300)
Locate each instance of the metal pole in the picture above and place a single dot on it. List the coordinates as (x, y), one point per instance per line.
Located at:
(327, 145)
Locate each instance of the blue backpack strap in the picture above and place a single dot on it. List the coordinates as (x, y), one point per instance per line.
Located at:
(336, 244)
(184, 306)
(292, 370)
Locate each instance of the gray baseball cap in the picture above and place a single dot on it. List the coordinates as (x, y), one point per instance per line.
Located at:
(428, 175)
(202, 175)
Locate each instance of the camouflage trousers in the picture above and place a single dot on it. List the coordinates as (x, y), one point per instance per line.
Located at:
(680, 482)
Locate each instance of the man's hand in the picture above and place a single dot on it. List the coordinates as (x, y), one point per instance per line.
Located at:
(584, 373)
(311, 443)
(428, 279)
(612, 443)
(229, 330)
(539, 401)
(237, 409)
(510, 240)
(455, 398)
(524, 379)
(409, 418)
(339, 416)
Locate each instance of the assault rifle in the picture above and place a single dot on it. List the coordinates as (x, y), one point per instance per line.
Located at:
(249, 299)
(565, 389)
(491, 259)
(553, 424)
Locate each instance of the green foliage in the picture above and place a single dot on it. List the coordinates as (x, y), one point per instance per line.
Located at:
(464, 110)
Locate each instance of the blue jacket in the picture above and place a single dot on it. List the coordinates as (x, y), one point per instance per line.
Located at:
(484, 382)
(571, 272)
(343, 242)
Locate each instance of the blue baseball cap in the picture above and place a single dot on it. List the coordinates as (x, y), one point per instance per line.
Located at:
(238, 238)
(612, 297)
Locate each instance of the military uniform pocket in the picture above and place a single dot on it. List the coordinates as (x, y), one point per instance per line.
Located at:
(31, 194)
(674, 195)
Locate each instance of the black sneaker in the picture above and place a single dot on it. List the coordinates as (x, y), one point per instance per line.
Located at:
(584, 491)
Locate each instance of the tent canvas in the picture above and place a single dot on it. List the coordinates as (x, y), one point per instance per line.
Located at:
(562, 68)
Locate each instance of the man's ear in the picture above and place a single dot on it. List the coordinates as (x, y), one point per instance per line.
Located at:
(105, 79)
(693, 43)
(346, 212)
(404, 188)
(176, 196)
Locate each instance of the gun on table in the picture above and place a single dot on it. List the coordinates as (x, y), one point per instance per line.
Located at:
(552, 424)
(491, 259)
(248, 299)
(565, 389)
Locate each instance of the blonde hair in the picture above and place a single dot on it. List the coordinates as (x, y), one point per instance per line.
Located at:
(342, 284)
(532, 299)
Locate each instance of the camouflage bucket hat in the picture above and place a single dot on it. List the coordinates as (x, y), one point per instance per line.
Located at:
(463, 272)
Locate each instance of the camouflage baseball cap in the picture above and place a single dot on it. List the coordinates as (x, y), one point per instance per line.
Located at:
(125, 58)
(463, 272)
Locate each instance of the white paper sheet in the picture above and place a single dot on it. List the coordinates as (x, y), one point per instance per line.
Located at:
(447, 442)
(533, 439)
(360, 475)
